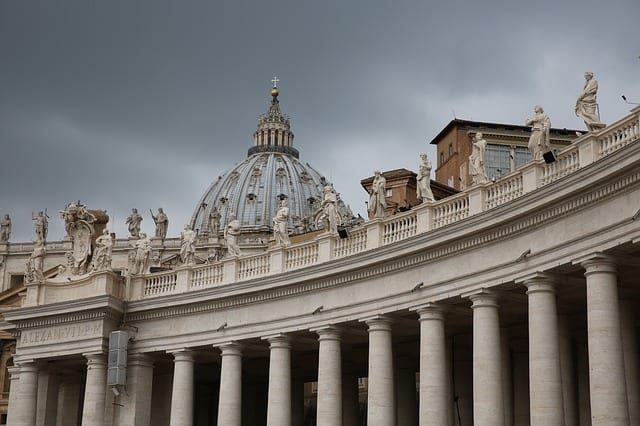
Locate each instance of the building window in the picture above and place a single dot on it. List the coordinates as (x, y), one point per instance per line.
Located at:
(498, 159)
(450, 150)
(450, 182)
(441, 158)
(389, 192)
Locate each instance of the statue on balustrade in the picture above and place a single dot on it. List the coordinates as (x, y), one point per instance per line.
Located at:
(231, 233)
(539, 142)
(424, 180)
(281, 224)
(586, 105)
(188, 246)
(214, 222)
(42, 225)
(477, 158)
(162, 223)
(378, 196)
(330, 215)
(34, 272)
(79, 224)
(142, 258)
(133, 221)
(5, 228)
(102, 255)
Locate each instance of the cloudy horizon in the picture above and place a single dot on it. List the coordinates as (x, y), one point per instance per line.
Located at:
(144, 103)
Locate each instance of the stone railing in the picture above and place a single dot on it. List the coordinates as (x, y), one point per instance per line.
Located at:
(421, 219)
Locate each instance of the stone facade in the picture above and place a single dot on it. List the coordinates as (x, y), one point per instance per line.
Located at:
(510, 303)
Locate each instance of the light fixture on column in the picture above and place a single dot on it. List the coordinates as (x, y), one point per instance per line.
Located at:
(222, 326)
(636, 216)
(115, 391)
(417, 287)
(523, 256)
(318, 309)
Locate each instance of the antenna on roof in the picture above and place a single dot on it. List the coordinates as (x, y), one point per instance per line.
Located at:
(624, 98)
(454, 113)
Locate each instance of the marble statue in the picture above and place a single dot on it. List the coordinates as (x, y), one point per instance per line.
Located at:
(72, 215)
(162, 223)
(378, 198)
(231, 233)
(330, 215)
(281, 225)
(34, 272)
(102, 255)
(42, 225)
(5, 228)
(142, 259)
(133, 222)
(214, 222)
(586, 105)
(188, 246)
(539, 142)
(476, 160)
(424, 180)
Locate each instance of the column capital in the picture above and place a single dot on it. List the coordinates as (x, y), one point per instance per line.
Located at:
(430, 311)
(328, 332)
(28, 366)
(378, 322)
(184, 354)
(278, 341)
(539, 282)
(230, 348)
(597, 263)
(95, 360)
(482, 298)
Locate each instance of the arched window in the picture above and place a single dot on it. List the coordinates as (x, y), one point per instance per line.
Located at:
(450, 150)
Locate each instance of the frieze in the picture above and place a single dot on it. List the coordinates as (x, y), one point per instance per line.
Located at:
(62, 333)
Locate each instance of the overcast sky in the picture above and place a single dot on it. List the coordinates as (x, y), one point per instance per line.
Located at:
(144, 103)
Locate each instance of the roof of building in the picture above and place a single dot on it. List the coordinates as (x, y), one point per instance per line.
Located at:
(253, 188)
(509, 129)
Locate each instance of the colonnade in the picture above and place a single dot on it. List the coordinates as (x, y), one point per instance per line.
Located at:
(612, 362)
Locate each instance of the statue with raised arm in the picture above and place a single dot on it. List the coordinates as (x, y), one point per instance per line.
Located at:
(5, 228)
(188, 246)
(102, 255)
(133, 223)
(162, 223)
(214, 222)
(424, 180)
(42, 225)
(330, 215)
(142, 258)
(34, 272)
(378, 196)
(539, 142)
(281, 224)
(586, 105)
(231, 232)
(476, 159)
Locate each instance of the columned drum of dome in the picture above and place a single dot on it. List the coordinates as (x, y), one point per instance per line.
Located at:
(272, 171)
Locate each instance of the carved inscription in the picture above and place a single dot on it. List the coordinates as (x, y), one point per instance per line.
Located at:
(61, 333)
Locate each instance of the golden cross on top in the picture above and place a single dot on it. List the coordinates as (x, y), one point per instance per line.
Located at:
(275, 81)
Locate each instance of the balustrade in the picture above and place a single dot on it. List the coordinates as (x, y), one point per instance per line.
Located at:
(301, 256)
(504, 190)
(155, 285)
(207, 276)
(399, 228)
(254, 267)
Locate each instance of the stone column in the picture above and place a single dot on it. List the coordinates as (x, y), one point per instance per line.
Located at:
(14, 375)
(381, 408)
(507, 379)
(279, 394)
(135, 404)
(631, 367)
(230, 401)
(95, 390)
(488, 401)
(182, 392)
(545, 378)
(25, 405)
(329, 377)
(434, 405)
(607, 384)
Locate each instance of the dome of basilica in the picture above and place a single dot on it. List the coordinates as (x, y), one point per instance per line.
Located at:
(253, 188)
